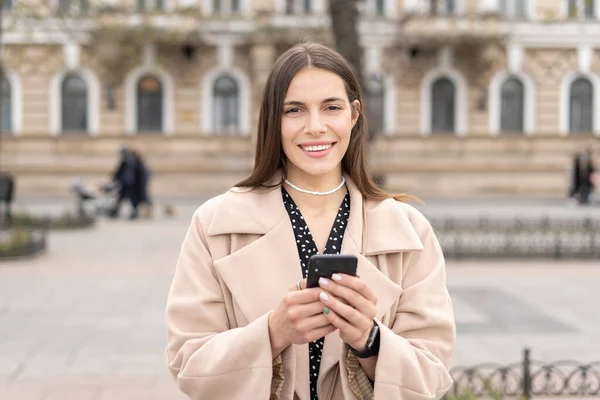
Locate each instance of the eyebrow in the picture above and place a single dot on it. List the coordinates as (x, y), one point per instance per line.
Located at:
(299, 103)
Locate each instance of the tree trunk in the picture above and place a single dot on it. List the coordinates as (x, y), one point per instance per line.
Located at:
(344, 26)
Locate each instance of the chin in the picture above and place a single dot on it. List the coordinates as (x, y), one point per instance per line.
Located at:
(318, 170)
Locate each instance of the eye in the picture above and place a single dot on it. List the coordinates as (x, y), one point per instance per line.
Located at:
(292, 110)
(334, 108)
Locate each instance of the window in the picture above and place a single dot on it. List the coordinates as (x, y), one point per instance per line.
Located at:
(298, 7)
(6, 116)
(443, 103)
(375, 105)
(149, 104)
(150, 5)
(512, 103)
(225, 6)
(513, 8)
(74, 104)
(380, 8)
(581, 105)
(69, 7)
(442, 7)
(225, 104)
(581, 9)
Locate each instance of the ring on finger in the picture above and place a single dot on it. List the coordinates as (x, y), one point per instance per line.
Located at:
(299, 284)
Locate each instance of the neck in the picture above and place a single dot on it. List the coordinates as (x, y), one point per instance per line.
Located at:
(322, 183)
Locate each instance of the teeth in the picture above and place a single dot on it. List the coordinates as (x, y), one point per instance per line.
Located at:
(317, 148)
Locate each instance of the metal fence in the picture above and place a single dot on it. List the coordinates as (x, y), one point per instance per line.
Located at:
(506, 237)
(526, 379)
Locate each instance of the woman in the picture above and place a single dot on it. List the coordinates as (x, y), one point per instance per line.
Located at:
(241, 322)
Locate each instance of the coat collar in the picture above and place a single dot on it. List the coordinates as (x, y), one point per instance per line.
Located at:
(260, 274)
(388, 228)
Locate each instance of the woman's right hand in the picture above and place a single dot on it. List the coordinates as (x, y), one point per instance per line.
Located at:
(299, 319)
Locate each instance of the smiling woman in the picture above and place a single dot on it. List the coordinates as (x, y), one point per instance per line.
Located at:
(241, 321)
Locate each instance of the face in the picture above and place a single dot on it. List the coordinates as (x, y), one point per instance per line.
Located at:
(316, 124)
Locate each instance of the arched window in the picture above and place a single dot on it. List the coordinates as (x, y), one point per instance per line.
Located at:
(74, 104)
(149, 104)
(443, 105)
(375, 105)
(581, 9)
(298, 7)
(513, 8)
(581, 105)
(512, 103)
(6, 93)
(225, 104)
(150, 5)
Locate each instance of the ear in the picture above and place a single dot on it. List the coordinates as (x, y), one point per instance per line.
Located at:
(355, 111)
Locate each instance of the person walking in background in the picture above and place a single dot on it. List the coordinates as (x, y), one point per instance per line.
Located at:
(128, 177)
(583, 176)
(143, 176)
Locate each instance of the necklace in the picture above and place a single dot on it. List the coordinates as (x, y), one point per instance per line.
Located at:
(317, 193)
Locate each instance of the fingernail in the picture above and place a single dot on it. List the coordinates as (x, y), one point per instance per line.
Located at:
(326, 310)
(336, 277)
(323, 296)
(323, 281)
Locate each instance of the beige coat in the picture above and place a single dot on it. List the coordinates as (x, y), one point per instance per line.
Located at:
(239, 259)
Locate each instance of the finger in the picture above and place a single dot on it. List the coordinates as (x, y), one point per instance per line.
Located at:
(321, 332)
(340, 323)
(304, 296)
(294, 287)
(310, 324)
(302, 311)
(356, 284)
(354, 317)
(354, 299)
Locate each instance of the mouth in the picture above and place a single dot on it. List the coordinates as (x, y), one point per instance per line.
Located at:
(316, 148)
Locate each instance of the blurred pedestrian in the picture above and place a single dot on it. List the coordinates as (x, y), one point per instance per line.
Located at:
(127, 175)
(583, 176)
(143, 178)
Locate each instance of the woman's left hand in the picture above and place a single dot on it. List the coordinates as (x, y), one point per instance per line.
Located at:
(350, 307)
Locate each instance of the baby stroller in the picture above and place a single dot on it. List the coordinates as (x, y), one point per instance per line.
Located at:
(95, 204)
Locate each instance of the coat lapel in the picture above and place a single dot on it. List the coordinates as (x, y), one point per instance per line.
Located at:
(261, 273)
(377, 228)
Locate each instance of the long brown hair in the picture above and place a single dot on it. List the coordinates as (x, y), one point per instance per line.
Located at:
(269, 153)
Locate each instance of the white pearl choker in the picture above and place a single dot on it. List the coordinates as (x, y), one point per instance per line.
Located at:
(317, 193)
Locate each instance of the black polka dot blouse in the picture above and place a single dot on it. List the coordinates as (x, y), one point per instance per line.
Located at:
(306, 248)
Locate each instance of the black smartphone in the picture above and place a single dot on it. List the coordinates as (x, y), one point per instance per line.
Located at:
(325, 265)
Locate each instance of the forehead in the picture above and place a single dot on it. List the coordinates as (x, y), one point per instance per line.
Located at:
(312, 83)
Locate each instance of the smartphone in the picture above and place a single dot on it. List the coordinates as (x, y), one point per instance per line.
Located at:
(325, 265)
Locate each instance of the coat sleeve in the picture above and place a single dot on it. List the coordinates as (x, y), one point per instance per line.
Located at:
(415, 352)
(208, 359)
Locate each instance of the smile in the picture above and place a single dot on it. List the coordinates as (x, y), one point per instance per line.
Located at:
(317, 148)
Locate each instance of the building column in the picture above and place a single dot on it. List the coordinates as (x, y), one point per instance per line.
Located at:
(262, 56)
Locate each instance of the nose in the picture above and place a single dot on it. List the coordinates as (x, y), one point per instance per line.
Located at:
(315, 124)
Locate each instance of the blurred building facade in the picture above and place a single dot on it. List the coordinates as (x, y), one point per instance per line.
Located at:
(468, 97)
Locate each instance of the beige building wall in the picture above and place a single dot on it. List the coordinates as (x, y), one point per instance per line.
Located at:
(413, 158)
